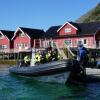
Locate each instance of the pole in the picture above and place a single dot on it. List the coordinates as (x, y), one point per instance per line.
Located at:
(33, 57)
(34, 43)
(40, 42)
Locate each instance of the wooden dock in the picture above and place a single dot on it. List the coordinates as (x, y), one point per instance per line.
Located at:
(93, 72)
(92, 75)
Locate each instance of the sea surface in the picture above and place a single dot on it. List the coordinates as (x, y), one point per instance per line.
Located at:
(13, 87)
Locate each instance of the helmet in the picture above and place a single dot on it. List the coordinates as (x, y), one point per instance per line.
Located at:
(79, 44)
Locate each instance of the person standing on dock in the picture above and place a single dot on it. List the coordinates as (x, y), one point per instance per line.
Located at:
(82, 57)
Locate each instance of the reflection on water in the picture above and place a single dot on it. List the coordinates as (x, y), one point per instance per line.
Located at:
(24, 88)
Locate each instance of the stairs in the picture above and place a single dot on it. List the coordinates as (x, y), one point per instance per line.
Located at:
(63, 55)
(69, 53)
(61, 52)
(66, 52)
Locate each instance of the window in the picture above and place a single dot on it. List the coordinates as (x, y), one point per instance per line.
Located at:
(21, 34)
(68, 42)
(22, 45)
(79, 42)
(18, 45)
(84, 41)
(26, 44)
(3, 46)
(67, 30)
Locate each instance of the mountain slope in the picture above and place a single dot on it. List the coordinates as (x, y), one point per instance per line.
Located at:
(91, 16)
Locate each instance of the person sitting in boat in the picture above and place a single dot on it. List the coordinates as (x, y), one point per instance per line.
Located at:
(43, 57)
(27, 60)
(37, 58)
(54, 55)
(48, 56)
(82, 57)
(49, 48)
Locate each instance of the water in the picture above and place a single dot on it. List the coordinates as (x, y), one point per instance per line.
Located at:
(13, 87)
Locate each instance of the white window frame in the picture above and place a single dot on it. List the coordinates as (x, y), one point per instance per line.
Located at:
(79, 41)
(82, 40)
(22, 45)
(4, 46)
(67, 30)
(70, 42)
(21, 34)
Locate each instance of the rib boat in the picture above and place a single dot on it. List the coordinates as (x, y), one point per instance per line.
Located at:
(56, 71)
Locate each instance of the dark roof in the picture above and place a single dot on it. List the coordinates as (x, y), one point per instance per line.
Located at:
(83, 29)
(87, 28)
(52, 31)
(8, 33)
(33, 33)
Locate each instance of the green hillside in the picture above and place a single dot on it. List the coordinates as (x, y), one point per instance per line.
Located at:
(91, 16)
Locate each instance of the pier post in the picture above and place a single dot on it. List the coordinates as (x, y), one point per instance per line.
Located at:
(33, 57)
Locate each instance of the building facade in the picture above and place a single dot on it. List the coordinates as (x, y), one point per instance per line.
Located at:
(73, 33)
(70, 34)
(27, 38)
(5, 40)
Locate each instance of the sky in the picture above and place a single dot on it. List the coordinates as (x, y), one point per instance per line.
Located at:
(41, 14)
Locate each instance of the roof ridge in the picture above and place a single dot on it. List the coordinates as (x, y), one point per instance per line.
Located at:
(7, 30)
(29, 28)
(56, 25)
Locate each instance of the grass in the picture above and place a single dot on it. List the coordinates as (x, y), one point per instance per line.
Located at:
(10, 62)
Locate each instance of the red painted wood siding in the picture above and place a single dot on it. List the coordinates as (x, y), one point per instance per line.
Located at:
(5, 41)
(89, 41)
(35, 43)
(62, 31)
(24, 39)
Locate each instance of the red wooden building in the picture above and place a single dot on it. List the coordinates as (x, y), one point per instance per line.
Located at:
(71, 33)
(27, 38)
(5, 40)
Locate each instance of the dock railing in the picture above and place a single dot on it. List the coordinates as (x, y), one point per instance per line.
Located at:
(65, 52)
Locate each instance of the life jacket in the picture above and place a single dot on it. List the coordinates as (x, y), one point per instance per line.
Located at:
(26, 59)
(48, 55)
(37, 58)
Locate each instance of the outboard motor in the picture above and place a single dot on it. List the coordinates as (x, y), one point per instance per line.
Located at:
(76, 70)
